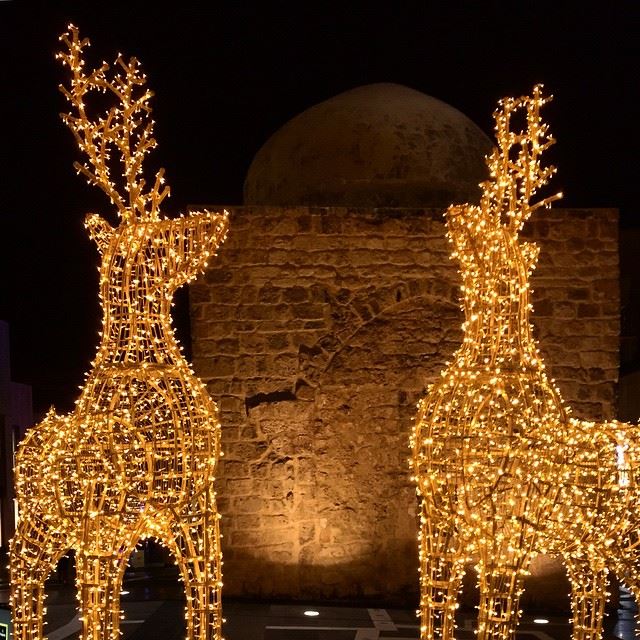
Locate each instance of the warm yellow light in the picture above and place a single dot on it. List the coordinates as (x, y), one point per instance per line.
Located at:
(502, 471)
(137, 456)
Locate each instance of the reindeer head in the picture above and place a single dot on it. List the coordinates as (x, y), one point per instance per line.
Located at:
(147, 256)
(148, 260)
(486, 237)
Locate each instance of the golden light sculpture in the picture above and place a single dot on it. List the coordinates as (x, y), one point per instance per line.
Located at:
(501, 469)
(137, 456)
(594, 524)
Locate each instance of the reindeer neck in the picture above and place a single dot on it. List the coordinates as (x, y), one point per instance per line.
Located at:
(497, 330)
(136, 332)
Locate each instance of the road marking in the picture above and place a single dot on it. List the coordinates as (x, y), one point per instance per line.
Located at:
(469, 624)
(362, 633)
(382, 620)
(367, 634)
(379, 617)
(74, 625)
(541, 635)
(66, 630)
(282, 628)
(374, 634)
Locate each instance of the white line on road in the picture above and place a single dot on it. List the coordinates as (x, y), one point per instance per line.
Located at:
(381, 620)
(283, 628)
(66, 630)
(73, 626)
(362, 633)
(379, 617)
(367, 634)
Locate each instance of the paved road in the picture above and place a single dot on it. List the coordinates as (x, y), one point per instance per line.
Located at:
(153, 609)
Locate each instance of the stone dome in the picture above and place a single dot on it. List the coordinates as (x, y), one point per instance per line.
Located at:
(379, 145)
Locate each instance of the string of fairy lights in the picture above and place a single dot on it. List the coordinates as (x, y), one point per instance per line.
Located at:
(137, 456)
(501, 469)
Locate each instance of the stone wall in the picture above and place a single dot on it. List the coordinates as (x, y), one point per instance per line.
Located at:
(316, 331)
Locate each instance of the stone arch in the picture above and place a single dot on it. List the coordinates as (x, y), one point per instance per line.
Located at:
(365, 395)
(332, 449)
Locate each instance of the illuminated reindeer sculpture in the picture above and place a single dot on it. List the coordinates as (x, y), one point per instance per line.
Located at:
(137, 456)
(501, 469)
(594, 525)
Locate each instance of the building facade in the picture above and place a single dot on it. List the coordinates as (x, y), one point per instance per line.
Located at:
(16, 415)
(328, 312)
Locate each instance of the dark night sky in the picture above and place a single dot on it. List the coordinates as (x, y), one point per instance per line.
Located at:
(228, 76)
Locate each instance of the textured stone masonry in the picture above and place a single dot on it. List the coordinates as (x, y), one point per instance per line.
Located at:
(316, 331)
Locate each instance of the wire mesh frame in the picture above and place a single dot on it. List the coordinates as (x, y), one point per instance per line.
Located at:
(137, 456)
(501, 469)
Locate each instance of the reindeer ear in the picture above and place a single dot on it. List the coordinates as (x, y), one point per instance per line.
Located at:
(100, 230)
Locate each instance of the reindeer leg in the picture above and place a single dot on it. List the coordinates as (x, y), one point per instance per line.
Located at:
(588, 597)
(624, 558)
(441, 571)
(99, 601)
(196, 546)
(500, 588)
(34, 552)
(100, 567)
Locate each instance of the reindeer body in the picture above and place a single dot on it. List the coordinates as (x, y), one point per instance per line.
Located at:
(137, 456)
(502, 471)
(484, 439)
(594, 525)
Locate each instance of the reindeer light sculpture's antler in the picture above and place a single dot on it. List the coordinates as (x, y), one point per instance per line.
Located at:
(126, 128)
(515, 172)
